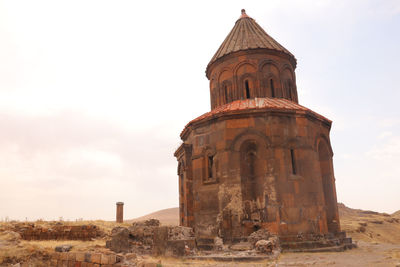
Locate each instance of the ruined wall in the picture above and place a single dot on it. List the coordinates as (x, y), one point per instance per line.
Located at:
(286, 194)
(30, 231)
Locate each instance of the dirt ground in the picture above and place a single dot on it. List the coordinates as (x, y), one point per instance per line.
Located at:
(367, 254)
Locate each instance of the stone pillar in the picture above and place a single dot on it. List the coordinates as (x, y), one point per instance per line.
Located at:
(120, 212)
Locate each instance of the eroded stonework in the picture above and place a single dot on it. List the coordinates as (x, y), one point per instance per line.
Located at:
(258, 159)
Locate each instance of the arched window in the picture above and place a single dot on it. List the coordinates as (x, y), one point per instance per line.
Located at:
(271, 83)
(247, 88)
(289, 88)
(226, 93)
(210, 161)
(210, 167)
(251, 172)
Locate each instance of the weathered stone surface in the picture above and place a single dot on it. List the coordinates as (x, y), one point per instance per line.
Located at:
(120, 240)
(173, 241)
(147, 237)
(180, 233)
(160, 240)
(218, 243)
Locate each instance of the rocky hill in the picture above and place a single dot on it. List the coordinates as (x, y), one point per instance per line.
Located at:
(396, 214)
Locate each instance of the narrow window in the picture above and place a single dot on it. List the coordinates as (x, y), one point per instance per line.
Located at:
(246, 84)
(290, 89)
(226, 93)
(293, 161)
(272, 88)
(210, 166)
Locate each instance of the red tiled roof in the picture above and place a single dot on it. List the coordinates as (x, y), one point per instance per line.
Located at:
(273, 104)
(245, 35)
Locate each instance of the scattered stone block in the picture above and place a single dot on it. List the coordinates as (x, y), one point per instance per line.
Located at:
(63, 248)
(264, 246)
(261, 234)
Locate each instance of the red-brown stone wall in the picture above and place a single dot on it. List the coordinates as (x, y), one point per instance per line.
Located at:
(286, 203)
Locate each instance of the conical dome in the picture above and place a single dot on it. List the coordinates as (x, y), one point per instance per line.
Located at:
(246, 35)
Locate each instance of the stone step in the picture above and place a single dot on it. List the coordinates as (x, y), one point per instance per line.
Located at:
(310, 244)
(339, 248)
(242, 246)
(205, 243)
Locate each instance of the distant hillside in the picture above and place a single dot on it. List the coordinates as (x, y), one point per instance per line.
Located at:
(396, 214)
(166, 217)
(370, 226)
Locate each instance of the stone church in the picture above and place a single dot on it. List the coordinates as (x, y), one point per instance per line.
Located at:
(258, 159)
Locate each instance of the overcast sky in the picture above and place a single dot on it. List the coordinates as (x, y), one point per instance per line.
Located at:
(94, 94)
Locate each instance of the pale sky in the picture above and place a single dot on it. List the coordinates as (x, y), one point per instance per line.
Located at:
(94, 94)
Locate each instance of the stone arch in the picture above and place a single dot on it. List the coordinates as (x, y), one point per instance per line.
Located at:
(224, 77)
(326, 139)
(225, 74)
(268, 61)
(289, 68)
(249, 134)
(328, 184)
(244, 67)
(289, 84)
(245, 73)
(270, 81)
(227, 92)
(252, 150)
